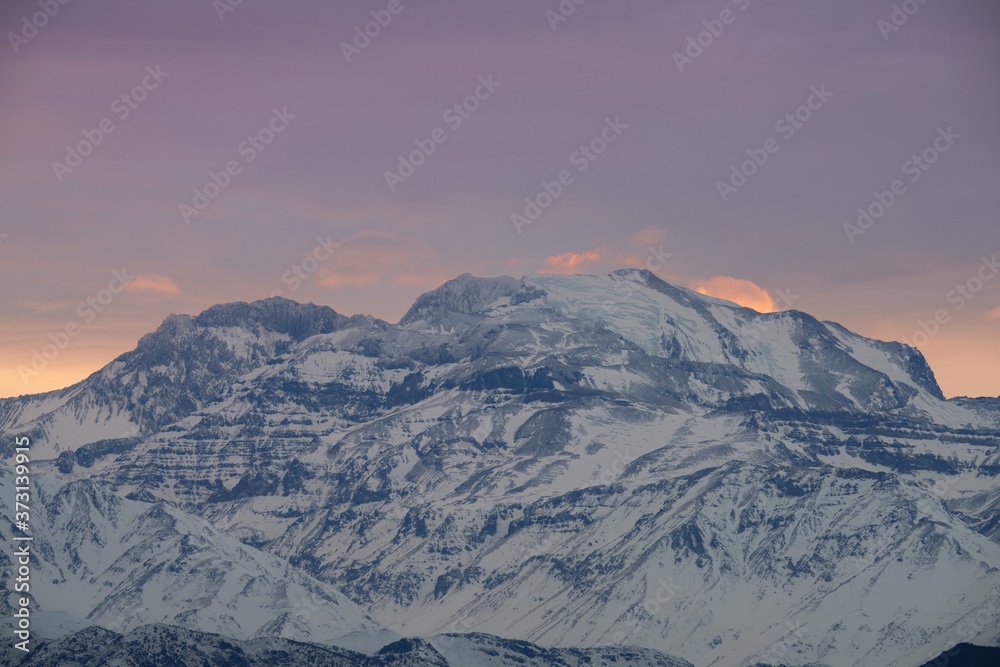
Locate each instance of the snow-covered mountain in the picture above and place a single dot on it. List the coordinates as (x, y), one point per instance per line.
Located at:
(101, 560)
(184, 365)
(568, 460)
(102, 568)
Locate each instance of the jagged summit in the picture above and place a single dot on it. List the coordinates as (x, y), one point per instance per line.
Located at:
(787, 359)
(462, 295)
(545, 458)
(468, 294)
(276, 314)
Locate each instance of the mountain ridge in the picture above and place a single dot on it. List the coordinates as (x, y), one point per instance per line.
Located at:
(551, 458)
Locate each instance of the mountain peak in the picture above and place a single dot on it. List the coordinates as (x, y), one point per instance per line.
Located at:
(635, 275)
(277, 314)
(463, 295)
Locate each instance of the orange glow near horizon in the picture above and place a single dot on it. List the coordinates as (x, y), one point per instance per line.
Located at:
(743, 292)
(963, 357)
(968, 368)
(967, 365)
(57, 377)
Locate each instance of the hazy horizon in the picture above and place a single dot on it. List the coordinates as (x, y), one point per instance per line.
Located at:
(396, 319)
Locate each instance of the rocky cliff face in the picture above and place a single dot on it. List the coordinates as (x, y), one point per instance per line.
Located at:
(574, 461)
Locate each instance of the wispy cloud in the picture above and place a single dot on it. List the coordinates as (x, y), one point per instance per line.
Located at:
(153, 283)
(572, 262)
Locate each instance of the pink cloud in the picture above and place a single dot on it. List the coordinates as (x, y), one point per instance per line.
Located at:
(571, 262)
(151, 283)
(737, 290)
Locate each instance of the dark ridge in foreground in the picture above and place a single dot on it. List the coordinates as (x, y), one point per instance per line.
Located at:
(967, 655)
(160, 645)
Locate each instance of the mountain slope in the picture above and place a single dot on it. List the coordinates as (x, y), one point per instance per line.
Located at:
(178, 368)
(120, 563)
(581, 460)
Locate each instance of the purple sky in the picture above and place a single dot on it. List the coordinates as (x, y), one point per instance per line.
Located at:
(323, 176)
